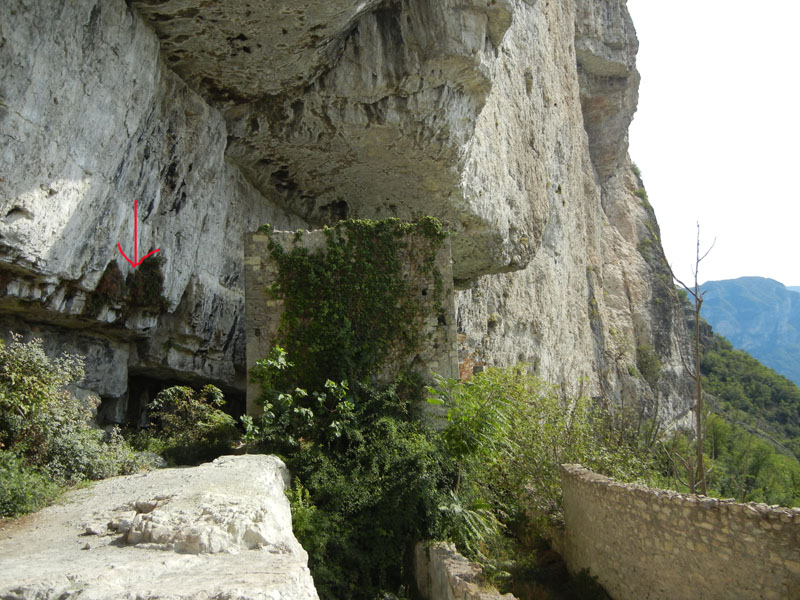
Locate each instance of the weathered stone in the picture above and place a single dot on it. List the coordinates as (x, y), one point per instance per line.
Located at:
(507, 120)
(221, 530)
(90, 121)
(712, 548)
(441, 573)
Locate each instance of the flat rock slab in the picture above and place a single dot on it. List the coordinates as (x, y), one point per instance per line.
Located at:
(219, 531)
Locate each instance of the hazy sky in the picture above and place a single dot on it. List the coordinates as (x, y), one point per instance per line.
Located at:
(717, 130)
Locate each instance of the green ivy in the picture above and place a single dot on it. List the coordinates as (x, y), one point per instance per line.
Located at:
(349, 307)
(367, 471)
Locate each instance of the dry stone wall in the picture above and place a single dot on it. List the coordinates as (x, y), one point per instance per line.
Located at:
(647, 543)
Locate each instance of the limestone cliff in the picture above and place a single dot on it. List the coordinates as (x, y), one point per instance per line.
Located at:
(507, 119)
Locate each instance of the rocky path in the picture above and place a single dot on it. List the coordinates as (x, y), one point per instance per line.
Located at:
(218, 531)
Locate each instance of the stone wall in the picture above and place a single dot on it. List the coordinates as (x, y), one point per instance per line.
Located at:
(438, 353)
(442, 573)
(648, 543)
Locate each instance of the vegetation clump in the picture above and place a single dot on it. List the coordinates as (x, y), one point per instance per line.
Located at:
(47, 440)
(110, 290)
(648, 364)
(368, 473)
(371, 477)
(509, 432)
(142, 289)
(187, 426)
(349, 306)
(144, 286)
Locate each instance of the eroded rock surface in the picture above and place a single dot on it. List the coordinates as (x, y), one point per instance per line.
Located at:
(507, 119)
(90, 119)
(222, 530)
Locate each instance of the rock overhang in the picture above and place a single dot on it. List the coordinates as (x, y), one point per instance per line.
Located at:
(358, 109)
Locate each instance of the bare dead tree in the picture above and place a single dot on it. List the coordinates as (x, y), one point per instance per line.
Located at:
(698, 477)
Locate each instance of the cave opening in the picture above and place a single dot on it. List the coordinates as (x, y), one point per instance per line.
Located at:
(131, 409)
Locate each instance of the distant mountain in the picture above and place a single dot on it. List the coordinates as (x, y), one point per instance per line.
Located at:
(759, 315)
(794, 288)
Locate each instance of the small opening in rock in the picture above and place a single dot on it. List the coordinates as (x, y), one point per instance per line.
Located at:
(336, 211)
(17, 212)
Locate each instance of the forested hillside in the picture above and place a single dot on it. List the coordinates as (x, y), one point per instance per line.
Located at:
(758, 315)
(753, 432)
(752, 393)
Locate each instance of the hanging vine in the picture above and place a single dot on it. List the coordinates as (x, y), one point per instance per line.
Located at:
(351, 308)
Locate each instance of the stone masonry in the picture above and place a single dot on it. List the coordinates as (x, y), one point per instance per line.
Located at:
(645, 543)
(263, 313)
(441, 573)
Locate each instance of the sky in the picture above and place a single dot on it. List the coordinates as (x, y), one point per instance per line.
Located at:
(717, 132)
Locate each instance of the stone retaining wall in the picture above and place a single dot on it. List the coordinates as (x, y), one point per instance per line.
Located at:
(442, 573)
(647, 543)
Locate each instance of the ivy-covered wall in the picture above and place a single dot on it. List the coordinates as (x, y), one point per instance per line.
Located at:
(388, 283)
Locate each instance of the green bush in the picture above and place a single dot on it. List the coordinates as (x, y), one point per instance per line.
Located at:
(188, 426)
(367, 476)
(41, 422)
(46, 435)
(23, 489)
(33, 395)
(511, 432)
(77, 452)
(372, 502)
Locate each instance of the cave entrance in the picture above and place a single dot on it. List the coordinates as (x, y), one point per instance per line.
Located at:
(131, 410)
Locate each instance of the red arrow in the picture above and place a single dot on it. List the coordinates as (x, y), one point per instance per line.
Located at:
(136, 261)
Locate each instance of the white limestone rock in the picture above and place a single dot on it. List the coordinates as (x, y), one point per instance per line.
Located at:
(506, 119)
(220, 530)
(90, 120)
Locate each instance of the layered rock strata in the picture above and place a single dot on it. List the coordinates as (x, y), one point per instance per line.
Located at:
(91, 119)
(507, 119)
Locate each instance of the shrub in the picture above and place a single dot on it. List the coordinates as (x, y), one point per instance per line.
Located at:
(518, 431)
(372, 500)
(23, 489)
(77, 452)
(367, 476)
(46, 435)
(188, 426)
(32, 393)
